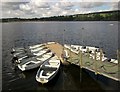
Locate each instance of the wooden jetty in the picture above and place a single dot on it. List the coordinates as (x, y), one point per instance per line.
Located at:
(57, 49)
(107, 69)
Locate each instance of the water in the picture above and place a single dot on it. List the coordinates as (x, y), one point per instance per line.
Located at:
(17, 34)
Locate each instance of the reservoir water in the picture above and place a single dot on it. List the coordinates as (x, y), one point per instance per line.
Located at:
(19, 34)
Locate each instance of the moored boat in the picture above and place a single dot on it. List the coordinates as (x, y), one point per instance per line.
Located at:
(21, 56)
(48, 70)
(34, 48)
(34, 62)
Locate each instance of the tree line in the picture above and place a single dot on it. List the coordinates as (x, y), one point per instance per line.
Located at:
(97, 16)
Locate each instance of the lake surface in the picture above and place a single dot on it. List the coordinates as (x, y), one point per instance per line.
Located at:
(17, 34)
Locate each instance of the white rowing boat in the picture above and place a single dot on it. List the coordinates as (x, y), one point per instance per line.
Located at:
(48, 70)
(34, 48)
(23, 57)
(34, 62)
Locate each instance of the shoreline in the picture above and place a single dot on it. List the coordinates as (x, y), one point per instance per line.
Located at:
(57, 21)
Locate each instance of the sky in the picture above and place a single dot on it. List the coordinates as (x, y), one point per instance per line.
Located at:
(47, 8)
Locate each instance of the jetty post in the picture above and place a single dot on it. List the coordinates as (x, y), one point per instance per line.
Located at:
(118, 56)
(88, 55)
(101, 55)
(63, 39)
(70, 53)
(81, 60)
(80, 63)
(95, 56)
(63, 46)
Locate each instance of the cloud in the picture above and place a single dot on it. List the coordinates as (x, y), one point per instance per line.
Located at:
(40, 3)
(92, 1)
(25, 7)
(66, 5)
(14, 1)
(115, 6)
(90, 4)
(11, 5)
(46, 8)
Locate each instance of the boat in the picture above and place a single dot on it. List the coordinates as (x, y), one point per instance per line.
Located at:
(34, 48)
(83, 49)
(37, 49)
(21, 53)
(34, 52)
(66, 54)
(42, 51)
(93, 49)
(34, 62)
(71, 48)
(51, 43)
(17, 51)
(48, 70)
(115, 61)
(21, 58)
(103, 58)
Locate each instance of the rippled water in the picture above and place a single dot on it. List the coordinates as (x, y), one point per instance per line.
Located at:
(17, 34)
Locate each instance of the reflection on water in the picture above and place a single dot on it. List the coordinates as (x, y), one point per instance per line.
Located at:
(70, 77)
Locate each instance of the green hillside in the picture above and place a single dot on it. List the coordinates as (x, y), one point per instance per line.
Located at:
(97, 16)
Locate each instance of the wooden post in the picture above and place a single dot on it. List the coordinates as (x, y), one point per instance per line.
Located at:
(80, 52)
(70, 54)
(63, 37)
(95, 62)
(118, 56)
(101, 55)
(79, 56)
(80, 63)
(63, 46)
(80, 75)
(88, 55)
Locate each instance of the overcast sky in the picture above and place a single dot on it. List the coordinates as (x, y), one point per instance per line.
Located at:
(46, 8)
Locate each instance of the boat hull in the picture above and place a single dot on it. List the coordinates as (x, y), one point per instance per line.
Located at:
(48, 80)
(29, 67)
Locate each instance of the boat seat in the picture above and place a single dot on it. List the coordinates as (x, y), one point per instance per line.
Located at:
(51, 66)
(35, 61)
(54, 64)
(47, 68)
(43, 74)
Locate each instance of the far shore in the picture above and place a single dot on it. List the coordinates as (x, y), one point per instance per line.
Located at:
(54, 21)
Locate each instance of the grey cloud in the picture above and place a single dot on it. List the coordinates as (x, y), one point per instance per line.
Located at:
(11, 9)
(43, 5)
(116, 6)
(90, 4)
(11, 5)
(66, 5)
